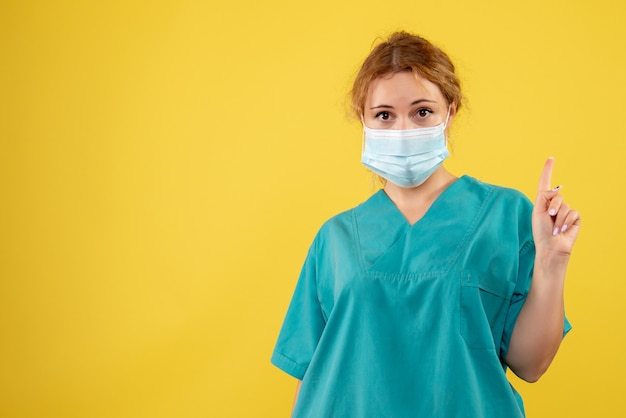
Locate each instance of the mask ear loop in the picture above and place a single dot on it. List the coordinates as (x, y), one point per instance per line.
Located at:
(362, 136)
(363, 142)
(445, 126)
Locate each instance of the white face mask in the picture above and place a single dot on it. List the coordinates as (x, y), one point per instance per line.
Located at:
(406, 157)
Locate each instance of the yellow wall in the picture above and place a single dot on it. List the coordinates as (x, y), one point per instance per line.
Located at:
(164, 166)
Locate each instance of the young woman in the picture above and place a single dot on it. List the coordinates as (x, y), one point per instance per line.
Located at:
(414, 303)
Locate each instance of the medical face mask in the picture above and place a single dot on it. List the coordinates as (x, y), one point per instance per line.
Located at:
(407, 157)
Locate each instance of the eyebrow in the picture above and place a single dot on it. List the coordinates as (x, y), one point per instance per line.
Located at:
(384, 106)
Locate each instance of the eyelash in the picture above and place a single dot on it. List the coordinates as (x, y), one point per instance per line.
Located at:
(417, 113)
(379, 114)
(423, 109)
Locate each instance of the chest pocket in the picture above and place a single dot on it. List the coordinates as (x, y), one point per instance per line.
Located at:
(484, 303)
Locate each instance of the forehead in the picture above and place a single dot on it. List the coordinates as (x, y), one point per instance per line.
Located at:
(402, 87)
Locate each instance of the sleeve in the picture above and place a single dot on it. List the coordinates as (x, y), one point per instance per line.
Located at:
(303, 323)
(522, 287)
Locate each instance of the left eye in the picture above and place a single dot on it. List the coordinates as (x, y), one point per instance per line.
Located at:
(422, 113)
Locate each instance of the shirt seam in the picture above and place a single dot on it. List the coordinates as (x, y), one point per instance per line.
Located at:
(297, 367)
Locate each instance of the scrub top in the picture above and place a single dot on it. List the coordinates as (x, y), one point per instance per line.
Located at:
(396, 320)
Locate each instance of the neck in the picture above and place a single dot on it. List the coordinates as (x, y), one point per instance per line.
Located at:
(413, 202)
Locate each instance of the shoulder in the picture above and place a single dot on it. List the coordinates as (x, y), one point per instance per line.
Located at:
(338, 225)
(508, 210)
(343, 222)
(501, 196)
(341, 229)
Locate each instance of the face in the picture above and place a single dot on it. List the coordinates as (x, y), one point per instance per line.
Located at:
(405, 101)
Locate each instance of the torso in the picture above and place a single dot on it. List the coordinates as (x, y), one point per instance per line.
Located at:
(407, 314)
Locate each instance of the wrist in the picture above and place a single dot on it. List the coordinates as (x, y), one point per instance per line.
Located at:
(550, 264)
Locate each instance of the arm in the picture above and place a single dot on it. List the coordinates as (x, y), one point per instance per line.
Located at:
(539, 327)
(296, 397)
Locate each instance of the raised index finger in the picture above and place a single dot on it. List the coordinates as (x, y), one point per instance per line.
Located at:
(546, 175)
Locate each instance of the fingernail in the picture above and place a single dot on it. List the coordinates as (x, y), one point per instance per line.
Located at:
(552, 212)
(556, 231)
(564, 228)
(556, 189)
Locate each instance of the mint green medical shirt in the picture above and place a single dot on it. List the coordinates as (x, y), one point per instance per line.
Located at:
(393, 320)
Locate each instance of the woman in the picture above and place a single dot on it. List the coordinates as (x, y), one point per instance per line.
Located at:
(414, 303)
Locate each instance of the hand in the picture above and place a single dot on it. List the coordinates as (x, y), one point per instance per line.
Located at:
(555, 224)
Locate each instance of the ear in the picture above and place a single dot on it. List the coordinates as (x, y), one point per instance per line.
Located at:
(452, 110)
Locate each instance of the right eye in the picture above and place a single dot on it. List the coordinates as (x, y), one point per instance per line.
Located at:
(385, 116)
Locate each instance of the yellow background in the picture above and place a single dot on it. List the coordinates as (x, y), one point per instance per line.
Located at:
(164, 166)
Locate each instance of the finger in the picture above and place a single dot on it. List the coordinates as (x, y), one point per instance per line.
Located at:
(572, 219)
(546, 175)
(555, 206)
(561, 219)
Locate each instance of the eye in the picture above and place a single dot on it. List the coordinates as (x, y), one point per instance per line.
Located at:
(383, 116)
(423, 112)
